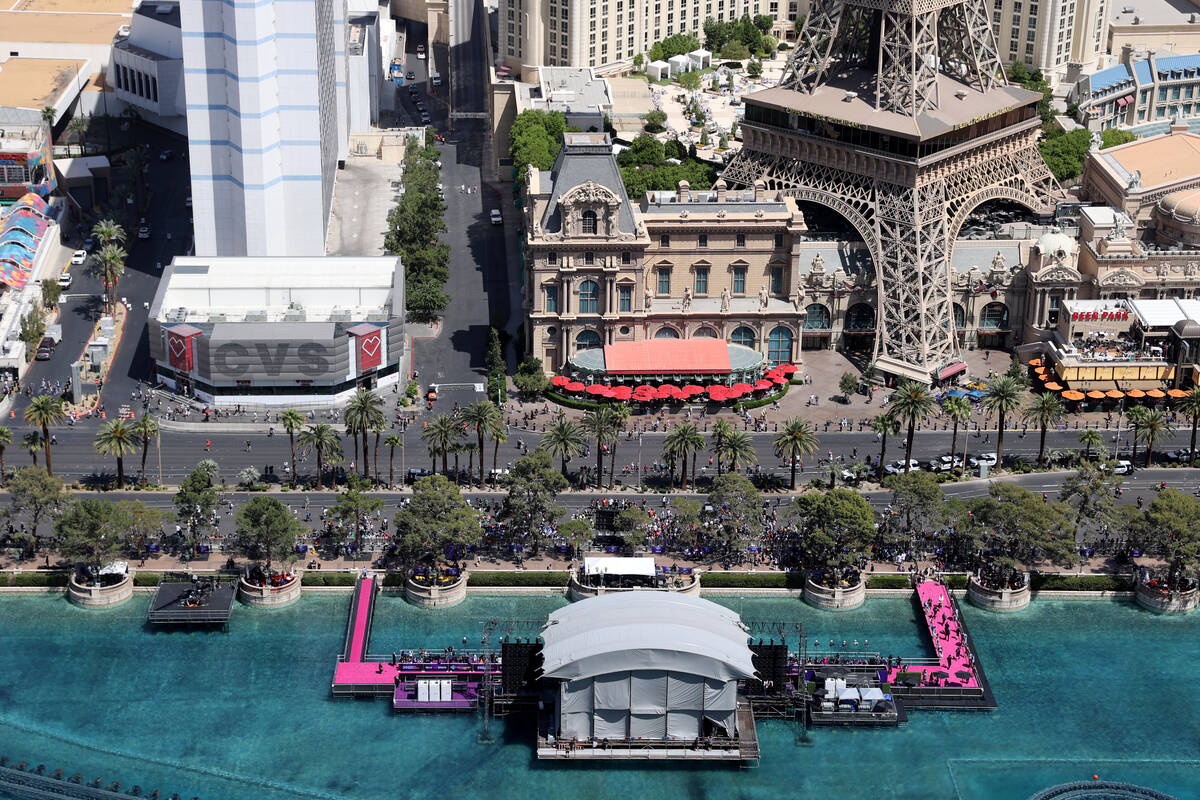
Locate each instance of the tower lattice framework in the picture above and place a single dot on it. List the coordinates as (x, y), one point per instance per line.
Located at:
(899, 58)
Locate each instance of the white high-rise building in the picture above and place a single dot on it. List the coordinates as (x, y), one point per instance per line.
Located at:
(262, 86)
(1051, 35)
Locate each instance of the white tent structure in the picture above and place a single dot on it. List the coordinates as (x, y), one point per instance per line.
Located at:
(700, 58)
(606, 565)
(658, 70)
(645, 665)
(680, 64)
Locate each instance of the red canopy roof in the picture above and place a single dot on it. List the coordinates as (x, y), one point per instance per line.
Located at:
(559, 380)
(597, 389)
(574, 386)
(667, 356)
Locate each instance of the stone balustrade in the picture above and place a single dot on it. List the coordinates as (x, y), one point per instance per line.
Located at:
(435, 596)
(269, 596)
(100, 596)
(998, 599)
(577, 590)
(839, 598)
(1150, 597)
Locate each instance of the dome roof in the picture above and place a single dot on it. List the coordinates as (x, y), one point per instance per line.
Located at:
(1056, 242)
(1183, 206)
(1187, 329)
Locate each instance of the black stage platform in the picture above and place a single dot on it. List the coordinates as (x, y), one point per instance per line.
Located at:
(182, 600)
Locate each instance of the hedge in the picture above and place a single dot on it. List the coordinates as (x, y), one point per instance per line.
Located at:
(328, 579)
(956, 581)
(524, 578)
(750, 580)
(1081, 583)
(36, 579)
(889, 582)
(570, 402)
(147, 578)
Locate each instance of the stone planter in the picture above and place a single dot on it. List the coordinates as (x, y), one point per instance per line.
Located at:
(269, 596)
(580, 591)
(1171, 603)
(998, 599)
(436, 596)
(100, 596)
(842, 598)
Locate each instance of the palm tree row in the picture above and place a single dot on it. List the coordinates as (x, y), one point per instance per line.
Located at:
(445, 434)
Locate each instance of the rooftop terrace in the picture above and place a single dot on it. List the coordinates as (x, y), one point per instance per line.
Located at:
(36, 82)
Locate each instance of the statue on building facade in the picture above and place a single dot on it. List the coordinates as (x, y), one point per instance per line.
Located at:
(764, 296)
(724, 298)
(1095, 142)
(798, 301)
(1135, 182)
(687, 298)
(647, 299)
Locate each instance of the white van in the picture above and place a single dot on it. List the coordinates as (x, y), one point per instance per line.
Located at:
(436, 78)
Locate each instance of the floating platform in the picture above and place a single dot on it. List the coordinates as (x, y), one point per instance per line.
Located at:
(183, 600)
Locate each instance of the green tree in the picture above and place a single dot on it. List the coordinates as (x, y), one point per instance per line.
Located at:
(1115, 136)
(436, 520)
(195, 503)
(754, 69)
(531, 377)
(620, 415)
(91, 531)
(655, 120)
(33, 328)
(720, 430)
(1171, 525)
(6, 439)
(678, 45)
(33, 442)
(45, 412)
(107, 266)
(1190, 407)
(364, 412)
(48, 115)
(562, 440)
(883, 426)
(116, 438)
(716, 34)
(600, 425)
(578, 534)
(910, 402)
(1022, 528)
(689, 81)
(1134, 415)
(535, 139)
(704, 141)
(797, 439)
(1089, 438)
(36, 492)
(848, 385)
(494, 361)
(391, 443)
(683, 442)
(266, 530)
(1002, 397)
(532, 486)
(959, 411)
(292, 422)
(1090, 491)
(1150, 427)
(77, 129)
(440, 436)
(638, 60)
(737, 451)
(632, 522)
(324, 441)
(917, 497)
(482, 417)
(1064, 154)
(51, 292)
(1043, 411)
(107, 231)
(353, 506)
(836, 528)
(739, 508)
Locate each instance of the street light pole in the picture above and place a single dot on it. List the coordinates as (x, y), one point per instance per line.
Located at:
(158, 442)
(639, 461)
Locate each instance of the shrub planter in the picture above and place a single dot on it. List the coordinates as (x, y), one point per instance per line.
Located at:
(998, 599)
(1152, 598)
(269, 596)
(100, 596)
(581, 591)
(841, 598)
(450, 594)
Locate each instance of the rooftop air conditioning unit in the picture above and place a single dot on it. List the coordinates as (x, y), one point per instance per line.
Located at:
(339, 315)
(294, 315)
(377, 316)
(1128, 10)
(256, 316)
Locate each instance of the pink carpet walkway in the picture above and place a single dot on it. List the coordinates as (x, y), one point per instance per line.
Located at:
(954, 656)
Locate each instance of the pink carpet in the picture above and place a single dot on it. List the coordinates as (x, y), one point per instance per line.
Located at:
(361, 618)
(947, 635)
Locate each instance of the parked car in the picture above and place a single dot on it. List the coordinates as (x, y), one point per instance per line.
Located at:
(89, 243)
(1182, 454)
(897, 467)
(984, 459)
(496, 218)
(143, 232)
(944, 463)
(1119, 467)
(412, 76)
(421, 51)
(79, 257)
(425, 117)
(64, 280)
(416, 473)
(45, 350)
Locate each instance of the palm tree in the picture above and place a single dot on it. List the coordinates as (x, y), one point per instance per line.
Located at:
(1151, 427)
(44, 411)
(1089, 438)
(145, 428)
(499, 436)
(1002, 397)
(364, 412)
(620, 415)
(1043, 411)
(136, 161)
(48, 115)
(483, 416)
(115, 438)
(322, 438)
(563, 440)
(737, 450)
(391, 443)
(5, 441)
(959, 411)
(440, 435)
(32, 442)
(107, 231)
(1135, 415)
(108, 266)
(1190, 405)
(601, 426)
(910, 402)
(292, 421)
(797, 439)
(720, 431)
(884, 425)
(682, 442)
(77, 129)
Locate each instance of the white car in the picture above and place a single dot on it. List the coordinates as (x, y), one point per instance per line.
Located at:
(897, 467)
(496, 218)
(64, 280)
(944, 463)
(1121, 467)
(984, 459)
(143, 232)
(421, 51)
(79, 257)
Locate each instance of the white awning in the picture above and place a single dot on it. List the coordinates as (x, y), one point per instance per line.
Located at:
(600, 565)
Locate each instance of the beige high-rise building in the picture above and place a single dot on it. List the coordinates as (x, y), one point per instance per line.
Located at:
(608, 33)
(1051, 35)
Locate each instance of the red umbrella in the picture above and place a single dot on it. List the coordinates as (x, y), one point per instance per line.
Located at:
(621, 393)
(559, 380)
(663, 392)
(762, 385)
(598, 389)
(732, 393)
(742, 388)
(779, 379)
(716, 392)
(692, 389)
(573, 386)
(786, 369)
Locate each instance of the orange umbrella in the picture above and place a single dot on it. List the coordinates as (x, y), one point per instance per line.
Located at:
(1054, 387)
(1135, 393)
(1049, 376)
(1096, 395)
(1156, 394)
(1035, 362)
(1176, 393)
(1041, 370)
(1114, 394)
(1071, 394)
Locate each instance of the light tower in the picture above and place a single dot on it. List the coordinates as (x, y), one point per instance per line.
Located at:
(896, 114)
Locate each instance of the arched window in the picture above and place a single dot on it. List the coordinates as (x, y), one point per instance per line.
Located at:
(666, 333)
(994, 317)
(704, 333)
(587, 340)
(589, 298)
(779, 346)
(743, 336)
(589, 222)
(860, 317)
(960, 317)
(816, 317)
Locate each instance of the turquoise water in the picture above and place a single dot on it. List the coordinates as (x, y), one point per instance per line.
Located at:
(1084, 687)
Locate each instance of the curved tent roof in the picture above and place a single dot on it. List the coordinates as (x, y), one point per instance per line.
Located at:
(645, 631)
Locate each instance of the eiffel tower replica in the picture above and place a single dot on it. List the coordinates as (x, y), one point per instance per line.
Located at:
(896, 114)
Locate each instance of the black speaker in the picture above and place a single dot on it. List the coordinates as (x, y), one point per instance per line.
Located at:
(520, 664)
(770, 661)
